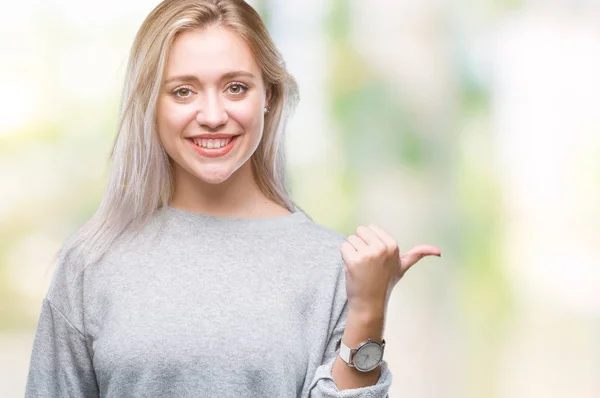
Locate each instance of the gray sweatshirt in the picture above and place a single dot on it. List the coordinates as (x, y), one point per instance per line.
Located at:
(199, 306)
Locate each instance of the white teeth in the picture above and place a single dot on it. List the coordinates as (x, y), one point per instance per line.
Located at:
(212, 144)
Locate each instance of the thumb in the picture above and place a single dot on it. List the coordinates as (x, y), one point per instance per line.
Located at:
(411, 257)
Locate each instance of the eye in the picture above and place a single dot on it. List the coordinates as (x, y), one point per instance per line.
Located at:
(237, 88)
(182, 92)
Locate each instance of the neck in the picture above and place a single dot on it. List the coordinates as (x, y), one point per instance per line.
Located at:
(238, 196)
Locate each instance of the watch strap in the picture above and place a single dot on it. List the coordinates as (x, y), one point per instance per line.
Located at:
(345, 352)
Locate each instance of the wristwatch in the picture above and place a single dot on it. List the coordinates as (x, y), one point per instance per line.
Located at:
(365, 357)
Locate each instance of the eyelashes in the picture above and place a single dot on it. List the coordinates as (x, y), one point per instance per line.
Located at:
(185, 92)
(240, 86)
(179, 90)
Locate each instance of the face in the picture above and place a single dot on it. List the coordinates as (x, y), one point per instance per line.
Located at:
(212, 86)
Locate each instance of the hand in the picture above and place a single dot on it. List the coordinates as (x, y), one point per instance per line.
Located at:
(374, 266)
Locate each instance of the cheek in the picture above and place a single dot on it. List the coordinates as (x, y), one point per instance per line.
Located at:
(249, 116)
(172, 119)
(171, 124)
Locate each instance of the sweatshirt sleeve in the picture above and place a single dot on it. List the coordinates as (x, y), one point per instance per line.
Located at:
(323, 385)
(60, 365)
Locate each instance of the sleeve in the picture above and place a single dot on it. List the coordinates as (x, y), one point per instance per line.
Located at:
(323, 385)
(60, 365)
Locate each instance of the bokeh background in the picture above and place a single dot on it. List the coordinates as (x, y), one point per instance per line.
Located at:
(470, 125)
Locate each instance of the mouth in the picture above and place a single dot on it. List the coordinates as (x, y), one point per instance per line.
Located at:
(213, 148)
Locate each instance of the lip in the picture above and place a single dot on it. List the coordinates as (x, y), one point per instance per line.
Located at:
(213, 136)
(212, 153)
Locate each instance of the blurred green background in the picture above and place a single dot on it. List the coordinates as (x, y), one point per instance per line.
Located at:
(470, 125)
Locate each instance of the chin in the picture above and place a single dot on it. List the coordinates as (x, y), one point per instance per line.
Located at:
(214, 177)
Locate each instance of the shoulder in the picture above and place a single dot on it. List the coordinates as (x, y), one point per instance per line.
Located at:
(76, 267)
(317, 244)
(66, 284)
(322, 234)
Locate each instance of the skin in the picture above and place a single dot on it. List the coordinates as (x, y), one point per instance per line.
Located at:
(213, 103)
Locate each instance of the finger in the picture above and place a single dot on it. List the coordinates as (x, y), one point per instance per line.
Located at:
(411, 257)
(369, 236)
(348, 253)
(390, 243)
(347, 249)
(426, 250)
(356, 242)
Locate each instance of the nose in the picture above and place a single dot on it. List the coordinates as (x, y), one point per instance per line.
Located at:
(211, 112)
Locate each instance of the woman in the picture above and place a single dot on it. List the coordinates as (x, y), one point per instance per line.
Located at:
(198, 275)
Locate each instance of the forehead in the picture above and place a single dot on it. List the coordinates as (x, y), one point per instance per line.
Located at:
(208, 53)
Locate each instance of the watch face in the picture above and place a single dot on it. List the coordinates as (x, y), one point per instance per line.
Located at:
(368, 357)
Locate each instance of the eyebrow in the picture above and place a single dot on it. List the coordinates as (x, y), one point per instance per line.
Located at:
(192, 78)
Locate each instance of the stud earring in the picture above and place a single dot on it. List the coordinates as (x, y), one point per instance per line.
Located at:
(266, 109)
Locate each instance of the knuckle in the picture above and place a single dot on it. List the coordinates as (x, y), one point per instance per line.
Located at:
(376, 253)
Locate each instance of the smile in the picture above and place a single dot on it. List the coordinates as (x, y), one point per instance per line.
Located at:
(216, 150)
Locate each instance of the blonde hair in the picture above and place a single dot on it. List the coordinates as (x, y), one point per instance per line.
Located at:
(140, 179)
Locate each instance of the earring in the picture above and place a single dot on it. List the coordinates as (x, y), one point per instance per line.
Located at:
(266, 109)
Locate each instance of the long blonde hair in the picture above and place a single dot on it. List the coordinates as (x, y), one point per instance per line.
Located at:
(140, 179)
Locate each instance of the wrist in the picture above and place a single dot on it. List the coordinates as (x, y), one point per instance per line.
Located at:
(372, 312)
(363, 325)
